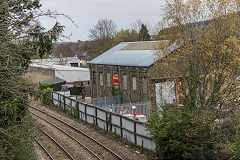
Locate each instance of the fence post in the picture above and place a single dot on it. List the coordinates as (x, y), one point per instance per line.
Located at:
(52, 98)
(77, 106)
(96, 117)
(64, 103)
(121, 126)
(105, 101)
(110, 121)
(71, 105)
(59, 101)
(135, 133)
(106, 120)
(85, 112)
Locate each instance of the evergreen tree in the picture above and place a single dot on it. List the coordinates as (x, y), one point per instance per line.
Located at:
(143, 34)
(18, 43)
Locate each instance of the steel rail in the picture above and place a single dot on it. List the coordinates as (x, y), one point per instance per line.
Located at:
(59, 145)
(45, 150)
(67, 135)
(81, 132)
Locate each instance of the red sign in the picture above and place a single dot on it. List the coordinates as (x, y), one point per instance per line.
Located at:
(115, 80)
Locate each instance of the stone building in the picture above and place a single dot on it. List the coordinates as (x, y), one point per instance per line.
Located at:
(126, 70)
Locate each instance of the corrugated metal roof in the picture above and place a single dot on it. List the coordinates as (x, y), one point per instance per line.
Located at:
(139, 54)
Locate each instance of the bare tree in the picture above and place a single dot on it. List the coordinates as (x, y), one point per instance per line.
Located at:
(63, 50)
(102, 35)
(137, 25)
(104, 29)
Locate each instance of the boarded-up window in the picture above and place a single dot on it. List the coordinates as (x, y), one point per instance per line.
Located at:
(108, 80)
(165, 92)
(101, 79)
(134, 83)
(94, 77)
(144, 83)
(125, 82)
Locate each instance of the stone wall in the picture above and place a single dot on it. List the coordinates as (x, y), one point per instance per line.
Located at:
(36, 75)
(99, 89)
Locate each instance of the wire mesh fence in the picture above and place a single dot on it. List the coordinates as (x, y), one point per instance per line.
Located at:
(106, 101)
(114, 104)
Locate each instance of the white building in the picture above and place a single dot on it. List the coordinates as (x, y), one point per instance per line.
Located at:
(67, 61)
(65, 70)
(72, 74)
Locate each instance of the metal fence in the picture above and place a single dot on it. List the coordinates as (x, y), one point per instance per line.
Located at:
(114, 104)
(106, 101)
(130, 129)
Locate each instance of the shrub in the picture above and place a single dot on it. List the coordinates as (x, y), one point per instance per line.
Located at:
(235, 146)
(46, 97)
(19, 145)
(16, 135)
(44, 86)
(44, 94)
(181, 134)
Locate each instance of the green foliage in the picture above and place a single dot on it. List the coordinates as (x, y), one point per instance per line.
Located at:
(38, 94)
(44, 86)
(8, 112)
(235, 146)
(144, 34)
(125, 36)
(181, 134)
(191, 131)
(44, 40)
(46, 96)
(44, 93)
(17, 143)
(16, 135)
(19, 40)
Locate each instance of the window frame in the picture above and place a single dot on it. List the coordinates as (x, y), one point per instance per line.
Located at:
(125, 82)
(144, 85)
(101, 81)
(134, 87)
(108, 80)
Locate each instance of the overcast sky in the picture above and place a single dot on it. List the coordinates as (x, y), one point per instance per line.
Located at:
(86, 13)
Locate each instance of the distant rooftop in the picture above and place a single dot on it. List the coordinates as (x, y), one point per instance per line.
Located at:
(55, 60)
(58, 63)
(53, 81)
(58, 67)
(139, 54)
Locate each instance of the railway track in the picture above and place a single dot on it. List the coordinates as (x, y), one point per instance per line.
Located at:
(58, 148)
(101, 152)
(44, 149)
